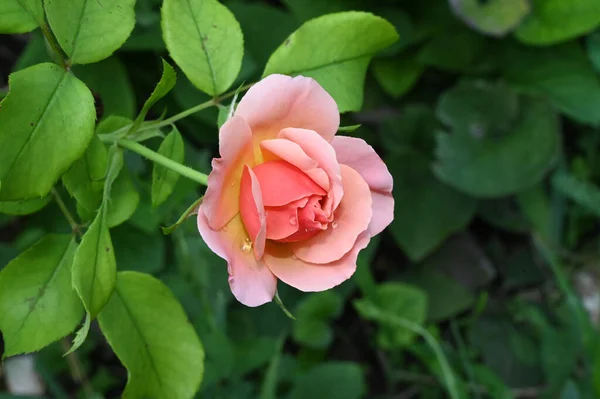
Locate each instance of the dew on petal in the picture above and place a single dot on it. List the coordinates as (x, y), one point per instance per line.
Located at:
(293, 220)
(246, 245)
(334, 224)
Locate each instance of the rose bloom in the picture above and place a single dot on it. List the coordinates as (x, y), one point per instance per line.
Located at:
(288, 199)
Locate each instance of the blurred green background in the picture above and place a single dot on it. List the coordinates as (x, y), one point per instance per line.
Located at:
(487, 113)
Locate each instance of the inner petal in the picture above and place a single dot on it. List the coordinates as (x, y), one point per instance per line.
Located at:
(311, 220)
(282, 183)
(282, 221)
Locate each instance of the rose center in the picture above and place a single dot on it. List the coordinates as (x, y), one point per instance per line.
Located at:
(292, 201)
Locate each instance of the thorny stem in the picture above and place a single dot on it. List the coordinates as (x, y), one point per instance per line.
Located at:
(164, 161)
(66, 212)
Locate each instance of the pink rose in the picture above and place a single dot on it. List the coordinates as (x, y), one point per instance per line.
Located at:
(288, 199)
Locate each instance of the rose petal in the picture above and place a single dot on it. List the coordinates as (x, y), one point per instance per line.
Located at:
(309, 277)
(321, 151)
(279, 101)
(351, 218)
(251, 282)
(291, 152)
(221, 200)
(383, 212)
(281, 183)
(279, 219)
(361, 157)
(252, 211)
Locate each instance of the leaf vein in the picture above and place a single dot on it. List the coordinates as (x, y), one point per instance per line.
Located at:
(38, 122)
(208, 60)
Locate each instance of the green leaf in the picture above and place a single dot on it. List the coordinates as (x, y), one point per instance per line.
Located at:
(584, 193)
(85, 179)
(494, 384)
(165, 84)
(593, 49)
(560, 350)
(414, 128)
(205, 40)
(397, 75)
(338, 60)
(430, 211)
(81, 335)
(261, 39)
(507, 349)
(479, 108)
(331, 380)
(149, 332)
(20, 16)
(555, 21)
(348, 129)
(315, 313)
(137, 250)
(503, 213)
(494, 17)
(268, 388)
(24, 207)
(445, 296)
(124, 200)
(456, 50)
(163, 179)
(95, 267)
(37, 142)
(561, 73)
(502, 165)
(37, 303)
(403, 300)
(89, 31)
(372, 312)
(192, 210)
(118, 97)
(252, 354)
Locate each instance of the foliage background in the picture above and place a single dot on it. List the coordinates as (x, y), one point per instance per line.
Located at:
(487, 113)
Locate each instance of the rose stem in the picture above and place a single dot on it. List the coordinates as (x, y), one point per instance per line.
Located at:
(164, 161)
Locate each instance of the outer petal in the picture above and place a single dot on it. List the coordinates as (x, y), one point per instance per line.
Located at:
(221, 200)
(383, 212)
(279, 101)
(351, 218)
(361, 157)
(310, 277)
(321, 151)
(291, 152)
(251, 282)
(252, 211)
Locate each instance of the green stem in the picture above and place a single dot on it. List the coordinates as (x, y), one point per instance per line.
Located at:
(181, 115)
(54, 45)
(193, 110)
(164, 161)
(61, 204)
